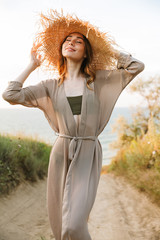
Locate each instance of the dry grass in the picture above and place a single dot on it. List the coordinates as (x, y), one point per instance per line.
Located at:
(139, 163)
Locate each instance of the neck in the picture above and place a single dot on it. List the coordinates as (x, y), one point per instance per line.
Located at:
(73, 70)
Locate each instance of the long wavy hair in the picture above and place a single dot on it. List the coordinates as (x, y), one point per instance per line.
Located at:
(86, 67)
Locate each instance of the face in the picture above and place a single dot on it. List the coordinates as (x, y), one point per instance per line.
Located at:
(74, 47)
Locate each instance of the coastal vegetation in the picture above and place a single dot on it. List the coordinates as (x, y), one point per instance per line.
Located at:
(21, 159)
(138, 143)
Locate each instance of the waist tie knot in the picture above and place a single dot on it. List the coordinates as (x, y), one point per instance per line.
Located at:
(72, 145)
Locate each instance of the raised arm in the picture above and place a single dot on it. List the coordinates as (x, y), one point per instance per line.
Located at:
(35, 62)
(15, 94)
(128, 67)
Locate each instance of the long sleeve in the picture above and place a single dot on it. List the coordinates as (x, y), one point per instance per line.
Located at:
(128, 68)
(110, 83)
(41, 95)
(116, 80)
(32, 96)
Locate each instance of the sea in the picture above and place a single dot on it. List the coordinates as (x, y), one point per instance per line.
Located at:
(32, 122)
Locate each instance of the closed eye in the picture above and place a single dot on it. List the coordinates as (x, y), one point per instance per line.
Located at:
(78, 41)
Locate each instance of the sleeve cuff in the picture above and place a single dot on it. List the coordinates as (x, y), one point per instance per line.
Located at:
(124, 60)
(16, 83)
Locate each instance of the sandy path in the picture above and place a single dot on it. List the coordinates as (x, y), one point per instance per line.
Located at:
(23, 214)
(120, 213)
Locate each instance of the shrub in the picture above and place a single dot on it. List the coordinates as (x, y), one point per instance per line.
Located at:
(21, 159)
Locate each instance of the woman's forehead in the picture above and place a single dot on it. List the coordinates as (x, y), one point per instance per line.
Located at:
(76, 34)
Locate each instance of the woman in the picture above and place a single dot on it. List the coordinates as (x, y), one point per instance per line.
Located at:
(77, 106)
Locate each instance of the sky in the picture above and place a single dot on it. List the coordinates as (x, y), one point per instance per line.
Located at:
(133, 24)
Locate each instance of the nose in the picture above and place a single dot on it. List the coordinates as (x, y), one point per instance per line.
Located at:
(71, 43)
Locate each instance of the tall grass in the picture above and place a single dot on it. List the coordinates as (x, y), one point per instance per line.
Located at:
(21, 158)
(139, 162)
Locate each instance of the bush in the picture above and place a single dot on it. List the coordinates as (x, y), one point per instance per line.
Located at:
(21, 159)
(139, 162)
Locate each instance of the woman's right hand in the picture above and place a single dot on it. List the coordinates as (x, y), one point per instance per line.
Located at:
(35, 58)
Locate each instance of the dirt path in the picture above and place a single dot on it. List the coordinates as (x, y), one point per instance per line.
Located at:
(120, 213)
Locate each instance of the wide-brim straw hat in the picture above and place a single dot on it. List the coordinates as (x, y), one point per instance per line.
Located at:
(55, 27)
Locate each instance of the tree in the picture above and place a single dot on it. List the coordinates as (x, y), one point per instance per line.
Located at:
(149, 90)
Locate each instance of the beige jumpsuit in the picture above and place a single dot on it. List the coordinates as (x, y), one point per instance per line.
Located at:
(76, 157)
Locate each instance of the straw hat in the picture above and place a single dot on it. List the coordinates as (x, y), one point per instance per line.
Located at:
(56, 27)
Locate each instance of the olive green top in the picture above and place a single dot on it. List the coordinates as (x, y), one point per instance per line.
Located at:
(75, 104)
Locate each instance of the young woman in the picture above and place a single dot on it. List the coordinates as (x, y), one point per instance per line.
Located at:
(77, 106)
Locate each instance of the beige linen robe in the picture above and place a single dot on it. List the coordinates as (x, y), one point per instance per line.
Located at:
(76, 157)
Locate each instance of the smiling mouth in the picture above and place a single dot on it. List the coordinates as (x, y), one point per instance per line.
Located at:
(70, 49)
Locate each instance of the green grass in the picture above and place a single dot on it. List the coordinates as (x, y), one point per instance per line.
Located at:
(21, 158)
(139, 163)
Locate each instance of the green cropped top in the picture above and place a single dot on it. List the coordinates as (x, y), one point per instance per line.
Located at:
(75, 104)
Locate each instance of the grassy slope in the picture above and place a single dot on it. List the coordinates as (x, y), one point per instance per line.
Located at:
(24, 158)
(139, 163)
(21, 158)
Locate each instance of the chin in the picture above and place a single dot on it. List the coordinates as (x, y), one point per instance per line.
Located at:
(73, 58)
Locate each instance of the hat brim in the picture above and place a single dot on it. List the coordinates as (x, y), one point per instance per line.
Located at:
(56, 27)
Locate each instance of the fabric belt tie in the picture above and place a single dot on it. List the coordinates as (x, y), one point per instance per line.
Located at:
(72, 145)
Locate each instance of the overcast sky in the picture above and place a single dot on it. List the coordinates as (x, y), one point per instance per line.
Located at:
(133, 24)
